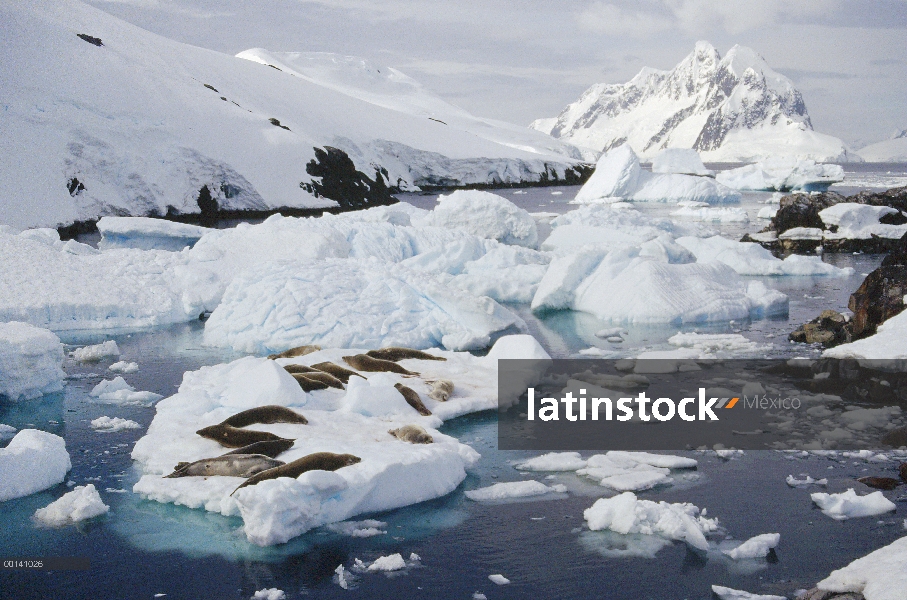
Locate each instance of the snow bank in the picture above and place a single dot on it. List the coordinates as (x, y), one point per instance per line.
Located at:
(513, 489)
(111, 425)
(392, 473)
(880, 575)
(96, 352)
(860, 221)
(750, 258)
(33, 461)
(683, 161)
(886, 343)
(351, 303)
(83, 502)
(30, 361)
(782, 174)
(848, 505)
(147, 234)
(755, 547)
(618, 176)
(726, 593)
(485, 215)
(625, 514)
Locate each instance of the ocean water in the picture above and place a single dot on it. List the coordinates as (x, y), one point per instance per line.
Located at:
(143, 548)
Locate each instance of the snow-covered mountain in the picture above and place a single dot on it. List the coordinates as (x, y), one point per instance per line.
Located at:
(893, 149)
(99, 117)
(734, 108)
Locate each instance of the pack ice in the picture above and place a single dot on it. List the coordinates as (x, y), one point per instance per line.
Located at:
(30, 361)
(392, 473)
(619, 177)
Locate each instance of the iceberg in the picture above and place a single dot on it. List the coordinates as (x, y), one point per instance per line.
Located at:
(682, 161)
(782, 174)
(147, 234)
(485, 215)
(30, 361)
(96, 352)
(618, 177)
(83, 502)
(33, 461)
(848, 505)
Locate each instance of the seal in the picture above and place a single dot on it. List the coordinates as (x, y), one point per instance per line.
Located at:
(414, 434)
(337, 371)
(299, 369)
(319, 461)
(229, 465)
(271, 449)
(395, 353)
(234, 437)
(294, 352)
(880, 483)
(270, 413)
(413, 399)
(364, 362)
(325, 378)
(441, 389)
(307, 384)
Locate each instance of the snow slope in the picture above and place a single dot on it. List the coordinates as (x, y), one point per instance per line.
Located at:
(891, 150)
(125, 122)
(730, 109)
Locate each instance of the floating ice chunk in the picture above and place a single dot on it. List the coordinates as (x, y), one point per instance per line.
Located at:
(665, 249)
(345, 303)
(611, 332)
(341, 577)
(269, 594)
(860, 221)
(625, 514)
(683, 161)
(722, 345)
(394, 562)
(749, 258)
(480, 595)
(83, 502)
(96, 352)
(553, 461)
(794, 482)
(664, 461)
(726, 593)
(514, 489)
(124, 367)
(782, 174)
(30, 361)
(110, 425)
(117, 391)
(486, 215)
(880, 575)
(886, 344)
(499, 579)
(712, 214)
(634, 481)
(359, 529)
(615, 176)
(33, 461)
(848, 505)
(755, 547)
(767, 212)
(147, 234)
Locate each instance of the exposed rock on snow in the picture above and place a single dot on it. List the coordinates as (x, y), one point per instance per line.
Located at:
(513, 489)
(848, 505)
(30, 361)
(782, 174)
(33, 461)
(83, 502)
(618, 177)
(733, 109)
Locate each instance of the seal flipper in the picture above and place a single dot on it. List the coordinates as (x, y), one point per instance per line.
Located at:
(178, 469)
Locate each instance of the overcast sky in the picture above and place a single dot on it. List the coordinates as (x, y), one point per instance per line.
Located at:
(519, 60)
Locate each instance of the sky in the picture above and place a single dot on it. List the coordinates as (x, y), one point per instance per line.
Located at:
(519, 60)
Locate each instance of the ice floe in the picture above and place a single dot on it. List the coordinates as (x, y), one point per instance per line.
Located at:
(33, 461)
(498, 579)
(782, 174)
(755, 547)
(514, 489)
(117, 391)
(806, 481)
(726, 593)
(618, 176)
(392, 473)
(269, 594)
(553, 461)
(719, 345)
(626, 514)
(114, 424)
(393, 562)
(880, 575)
(848, 505)
(83, 502)
(124, 367)
(30, 361)
(6, 431)
(96, 352)
(146, 233)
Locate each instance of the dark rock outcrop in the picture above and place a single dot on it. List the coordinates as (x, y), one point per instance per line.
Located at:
(897, 438)
(830, 328)
(335, 176)
(881, 295)
(895, 198)
(817, 594)
(802, 210)
(94, 41)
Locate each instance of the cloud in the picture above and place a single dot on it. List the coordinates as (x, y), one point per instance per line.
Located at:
(611, 19)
